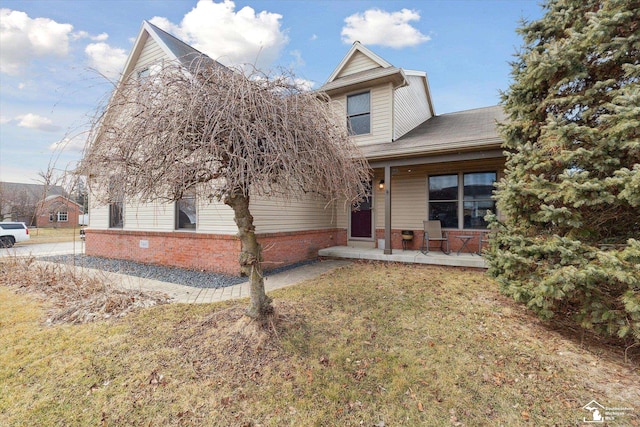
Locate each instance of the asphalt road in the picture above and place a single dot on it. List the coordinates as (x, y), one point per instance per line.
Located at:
(43, 249)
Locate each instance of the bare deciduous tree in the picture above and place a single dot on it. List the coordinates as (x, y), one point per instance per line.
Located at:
(230, 135)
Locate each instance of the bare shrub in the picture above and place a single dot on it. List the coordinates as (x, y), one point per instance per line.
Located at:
(74, 297)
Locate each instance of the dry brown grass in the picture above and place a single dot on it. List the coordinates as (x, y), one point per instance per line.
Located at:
(72, 297)
(52, 235)
(370, 344)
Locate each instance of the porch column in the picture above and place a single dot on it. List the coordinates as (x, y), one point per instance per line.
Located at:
(387, 210)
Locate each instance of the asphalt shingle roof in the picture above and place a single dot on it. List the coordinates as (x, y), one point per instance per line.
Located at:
(447, 132)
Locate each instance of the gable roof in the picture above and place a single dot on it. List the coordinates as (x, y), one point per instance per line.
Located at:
(59, 196)
(357, 48)
(33, 192)
(451, 132)
(172, 47)
(372, 70)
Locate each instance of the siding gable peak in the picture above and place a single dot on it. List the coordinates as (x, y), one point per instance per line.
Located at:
(172, 48)
(359, 58)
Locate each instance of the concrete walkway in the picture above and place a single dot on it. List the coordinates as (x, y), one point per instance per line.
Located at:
(189, 294)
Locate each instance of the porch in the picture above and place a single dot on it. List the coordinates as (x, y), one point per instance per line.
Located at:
(409, 256)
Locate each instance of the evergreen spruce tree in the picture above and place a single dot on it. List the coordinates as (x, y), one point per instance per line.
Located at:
(567, 238)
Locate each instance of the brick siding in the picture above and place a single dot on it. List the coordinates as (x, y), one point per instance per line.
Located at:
(454, 243)
(209, 252)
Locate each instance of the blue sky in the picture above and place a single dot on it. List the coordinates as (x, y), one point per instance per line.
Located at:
(59, 57)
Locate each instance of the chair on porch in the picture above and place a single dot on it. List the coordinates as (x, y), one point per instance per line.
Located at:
(433, 233)
(483, 241)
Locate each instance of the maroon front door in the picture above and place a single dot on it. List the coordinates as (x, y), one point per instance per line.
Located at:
(361, 220)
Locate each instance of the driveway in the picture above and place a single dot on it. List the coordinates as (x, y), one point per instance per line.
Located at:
(43, 249)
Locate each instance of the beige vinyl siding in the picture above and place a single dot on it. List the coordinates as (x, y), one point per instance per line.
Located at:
(98, 216)
(342, 215)
(358, 62)
(215, 217)
(408, 202)
(381, 114)
(153, 216)
(276, 215)
(151, 53)
(409, 190)
(411, 106)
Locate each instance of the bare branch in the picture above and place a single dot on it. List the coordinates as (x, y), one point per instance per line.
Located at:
(259, 135)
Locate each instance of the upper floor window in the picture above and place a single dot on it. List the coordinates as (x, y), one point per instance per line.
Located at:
(186, 212)
(359, 113)
(143, 74)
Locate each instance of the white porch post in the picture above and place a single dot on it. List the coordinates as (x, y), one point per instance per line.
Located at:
(387, 210)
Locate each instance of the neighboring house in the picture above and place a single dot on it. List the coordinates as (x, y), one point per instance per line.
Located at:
(19, 202)
(58, 212)
(424, 166)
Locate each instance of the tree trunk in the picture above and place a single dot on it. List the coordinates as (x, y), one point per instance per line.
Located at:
(250, 255)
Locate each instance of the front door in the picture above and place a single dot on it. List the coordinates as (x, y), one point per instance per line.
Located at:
(361, 220)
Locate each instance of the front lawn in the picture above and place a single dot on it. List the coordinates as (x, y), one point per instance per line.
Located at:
(368, 344)
(52, 235)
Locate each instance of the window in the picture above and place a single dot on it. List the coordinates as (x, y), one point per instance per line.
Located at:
(478, 188)
(443, 199)
(143, 74)
(115, 215)
(63, 216)
(186, 213)
(52, 217)
(461, 200)
(359, 113)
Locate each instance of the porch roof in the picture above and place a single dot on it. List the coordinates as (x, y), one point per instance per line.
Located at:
(459, 131)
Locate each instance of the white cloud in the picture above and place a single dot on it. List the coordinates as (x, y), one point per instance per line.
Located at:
(297, 58)
(313, 37)
(229, 36)
(100, 37)
(4, 119)
(23, 39)
(106, 59)
(377, 27)
(77, 35)
(305, 84)
(69, 144)
(34, 121)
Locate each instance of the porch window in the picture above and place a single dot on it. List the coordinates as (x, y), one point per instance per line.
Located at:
(359, 113)
(443, 199)
(478, 189)
(186, 213)
(115, 215)
(461, 200)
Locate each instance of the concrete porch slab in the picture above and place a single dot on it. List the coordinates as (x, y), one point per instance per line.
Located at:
(409, 257)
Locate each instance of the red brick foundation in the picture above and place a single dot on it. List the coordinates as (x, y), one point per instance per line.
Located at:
(454, 243)
(210, 252)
